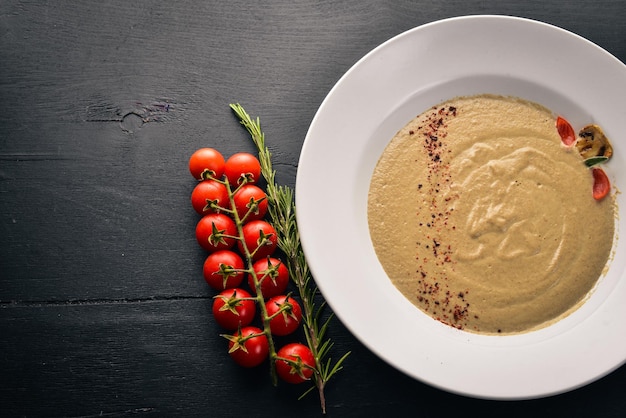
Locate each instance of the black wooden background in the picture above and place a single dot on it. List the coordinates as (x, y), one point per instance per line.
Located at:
(103, 309)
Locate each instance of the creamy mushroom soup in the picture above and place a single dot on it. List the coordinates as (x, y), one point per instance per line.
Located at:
(484, 220)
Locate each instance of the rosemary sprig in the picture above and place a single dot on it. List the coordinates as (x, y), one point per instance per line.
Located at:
(282, 211)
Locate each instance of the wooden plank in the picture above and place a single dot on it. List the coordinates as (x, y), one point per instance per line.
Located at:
(166, 357)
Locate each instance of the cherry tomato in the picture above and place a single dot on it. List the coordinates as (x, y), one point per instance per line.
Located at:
(206, 163)
(250, 202)
(248, 348)
(601, 184)
(216, 231)
(285, 314)
(209, 196)
(260, 238)
(223, 270)
(301, 368)
(242, 167)
(233, 308)
(568, 137)
(273, 275)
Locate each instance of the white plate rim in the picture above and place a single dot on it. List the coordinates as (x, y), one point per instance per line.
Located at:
(333, 175)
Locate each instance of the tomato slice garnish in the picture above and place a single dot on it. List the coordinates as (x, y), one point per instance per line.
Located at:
(568, 137)
(601, 184)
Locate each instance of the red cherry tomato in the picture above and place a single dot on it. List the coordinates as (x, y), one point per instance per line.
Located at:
(260, 238)
(223, 270)
(601, 184)
(233, 308)
(209, 196)
(568, 137)
(248, 348)
(285, 314)
(273, 276)
(206, 163)
(242, 167)
(250, 202)
(216, 231)
(300, 366)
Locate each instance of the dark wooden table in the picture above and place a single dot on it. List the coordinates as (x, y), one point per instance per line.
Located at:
(103, 309)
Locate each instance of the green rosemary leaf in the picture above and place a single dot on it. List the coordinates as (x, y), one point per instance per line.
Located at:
(590, 162)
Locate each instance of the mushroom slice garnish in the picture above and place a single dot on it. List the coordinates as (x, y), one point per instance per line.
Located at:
(593, 143)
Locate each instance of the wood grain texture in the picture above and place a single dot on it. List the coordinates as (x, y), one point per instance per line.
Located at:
(103, 310)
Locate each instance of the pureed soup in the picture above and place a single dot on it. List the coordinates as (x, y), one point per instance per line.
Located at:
(482, 218)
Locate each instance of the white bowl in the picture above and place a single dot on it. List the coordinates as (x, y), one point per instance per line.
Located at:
(370, 103)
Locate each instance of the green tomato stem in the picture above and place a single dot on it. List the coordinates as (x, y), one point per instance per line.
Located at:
(257, 284)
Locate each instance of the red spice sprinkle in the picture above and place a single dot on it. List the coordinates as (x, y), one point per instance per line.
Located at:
(438, 178)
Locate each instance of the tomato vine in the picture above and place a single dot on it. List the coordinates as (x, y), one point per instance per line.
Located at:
(241, 242)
